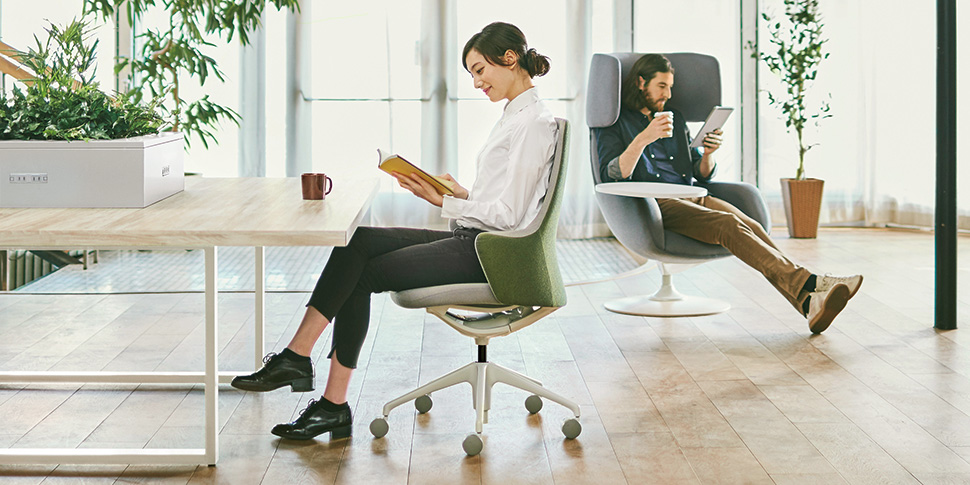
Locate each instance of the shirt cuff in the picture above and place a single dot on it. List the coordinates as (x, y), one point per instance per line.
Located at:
(451, 207)
(613, 170)
(709, 177)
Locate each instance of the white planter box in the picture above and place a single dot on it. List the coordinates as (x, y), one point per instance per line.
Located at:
(132, 172)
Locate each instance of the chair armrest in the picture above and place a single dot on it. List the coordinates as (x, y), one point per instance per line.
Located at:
(744, 196)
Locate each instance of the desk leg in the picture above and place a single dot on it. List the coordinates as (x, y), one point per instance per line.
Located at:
(260, 306)
(211, 357)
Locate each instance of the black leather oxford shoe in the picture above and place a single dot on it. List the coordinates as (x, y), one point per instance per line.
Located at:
(315, 420)
(278, 371)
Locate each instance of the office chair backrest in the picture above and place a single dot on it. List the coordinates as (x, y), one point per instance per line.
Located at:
(697, 85)
(697, 89)
(521, 266)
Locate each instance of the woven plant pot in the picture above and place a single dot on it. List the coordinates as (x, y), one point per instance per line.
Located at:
(803, 202)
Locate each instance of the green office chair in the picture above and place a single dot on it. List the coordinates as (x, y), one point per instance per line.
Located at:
(523, 286)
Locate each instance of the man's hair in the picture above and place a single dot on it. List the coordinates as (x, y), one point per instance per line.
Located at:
(646, 67)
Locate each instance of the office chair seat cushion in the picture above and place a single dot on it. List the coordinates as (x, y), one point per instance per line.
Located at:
(469, 294)
(680, 245)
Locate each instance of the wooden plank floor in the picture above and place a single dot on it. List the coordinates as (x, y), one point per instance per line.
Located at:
(748, 396)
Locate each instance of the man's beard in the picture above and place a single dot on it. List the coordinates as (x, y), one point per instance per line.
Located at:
(645, 101)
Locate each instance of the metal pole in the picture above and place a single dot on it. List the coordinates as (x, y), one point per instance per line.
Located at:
(946, 166)
(211, 356)
(251, 160)
(299, 119)
(260, 291)
(623, 27)
(749, 92)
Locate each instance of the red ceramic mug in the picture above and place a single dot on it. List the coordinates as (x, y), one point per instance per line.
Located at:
(316, 186)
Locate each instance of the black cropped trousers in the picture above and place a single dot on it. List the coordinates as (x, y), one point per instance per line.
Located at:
(379, 259)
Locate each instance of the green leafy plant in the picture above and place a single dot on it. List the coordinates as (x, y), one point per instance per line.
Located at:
(798, 39)
(62, 101)
(171, 54)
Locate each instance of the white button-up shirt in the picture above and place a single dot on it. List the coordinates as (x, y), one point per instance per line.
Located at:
(513, 169)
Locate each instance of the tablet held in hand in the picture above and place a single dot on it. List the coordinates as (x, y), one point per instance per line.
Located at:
(715, 120)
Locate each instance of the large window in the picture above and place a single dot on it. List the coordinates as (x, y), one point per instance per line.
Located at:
(219, 159)
(366, 83)
(544, 24)
(841, 144)
(877, 152)
(20, 22)
(373, 66)
(704, 27)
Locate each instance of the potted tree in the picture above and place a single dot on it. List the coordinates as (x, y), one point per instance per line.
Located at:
(66, 143)
(797, 38)
(168, 58)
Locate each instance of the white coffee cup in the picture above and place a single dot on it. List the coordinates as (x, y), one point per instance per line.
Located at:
(670, 116)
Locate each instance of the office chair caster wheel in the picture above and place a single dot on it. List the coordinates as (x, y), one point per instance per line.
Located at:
(533, 404)
(571, 428)
(473, 444)
(379, 427)
(423, 404)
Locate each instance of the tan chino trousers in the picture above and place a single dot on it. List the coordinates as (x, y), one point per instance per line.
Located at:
(714, 221)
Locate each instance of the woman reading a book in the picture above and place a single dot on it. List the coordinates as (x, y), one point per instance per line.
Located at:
(512, 178)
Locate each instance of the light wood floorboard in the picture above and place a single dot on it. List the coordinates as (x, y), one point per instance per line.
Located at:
(748, 396)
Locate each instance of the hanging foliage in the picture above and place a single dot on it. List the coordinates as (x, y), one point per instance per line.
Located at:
(173, 55)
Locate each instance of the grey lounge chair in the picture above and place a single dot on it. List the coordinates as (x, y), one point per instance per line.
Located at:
(637, 222)
(524, 285)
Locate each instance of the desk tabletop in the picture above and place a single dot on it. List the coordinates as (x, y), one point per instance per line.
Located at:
(658, 190)
(209, 212)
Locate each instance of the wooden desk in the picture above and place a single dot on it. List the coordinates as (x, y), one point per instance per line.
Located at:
(255, 212)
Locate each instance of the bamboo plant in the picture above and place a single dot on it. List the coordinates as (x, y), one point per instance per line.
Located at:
(62, 101)
(173, 55)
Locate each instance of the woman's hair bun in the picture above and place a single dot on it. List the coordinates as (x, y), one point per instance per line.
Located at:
(536, 64)
(496, 39)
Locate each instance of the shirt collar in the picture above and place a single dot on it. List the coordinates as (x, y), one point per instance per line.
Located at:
(523, 100)
(637, 115)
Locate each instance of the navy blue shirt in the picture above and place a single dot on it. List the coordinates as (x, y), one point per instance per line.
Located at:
(660, 161)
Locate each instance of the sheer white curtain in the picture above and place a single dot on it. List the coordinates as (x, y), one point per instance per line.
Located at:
(877, 153)
(387, 74)
(566, 32)
(705, 27)
(367, 91)
(403, 87)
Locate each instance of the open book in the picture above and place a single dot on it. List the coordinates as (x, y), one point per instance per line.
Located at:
(394, 163)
